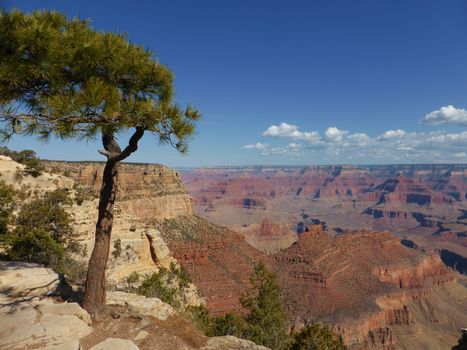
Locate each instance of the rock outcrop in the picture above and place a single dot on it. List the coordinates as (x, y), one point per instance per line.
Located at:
(147, 191)
(131, 322)
(23, 281)
(29, 319)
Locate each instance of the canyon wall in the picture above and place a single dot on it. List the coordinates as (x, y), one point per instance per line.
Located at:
(151, 192)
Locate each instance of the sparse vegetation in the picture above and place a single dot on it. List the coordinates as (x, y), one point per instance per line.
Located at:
(82, 193)
(6, 206)
(28, 158)
(117, 252)
(265, 322)
(316, 337)
(40, 232)
(166, 284)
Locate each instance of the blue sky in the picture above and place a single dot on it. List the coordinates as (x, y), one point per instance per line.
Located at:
(297, 82)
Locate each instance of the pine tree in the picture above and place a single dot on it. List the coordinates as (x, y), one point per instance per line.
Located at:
(60, 77)
(266, 320)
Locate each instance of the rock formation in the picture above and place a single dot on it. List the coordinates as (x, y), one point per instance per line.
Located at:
(30, 318)
(423, 203)
(375, 292)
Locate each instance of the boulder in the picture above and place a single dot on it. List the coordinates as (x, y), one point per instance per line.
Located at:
(140, 305)
(43, 324)
(231, 343)
(22, 280)
(115, 344)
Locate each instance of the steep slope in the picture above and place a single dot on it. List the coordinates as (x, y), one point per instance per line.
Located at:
(374, 291)
(422, 203)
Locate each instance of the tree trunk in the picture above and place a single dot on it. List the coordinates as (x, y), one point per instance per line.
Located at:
(94, 299)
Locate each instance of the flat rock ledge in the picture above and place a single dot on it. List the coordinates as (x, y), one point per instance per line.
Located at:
(140, 305)
(43, 324)
(115, 344)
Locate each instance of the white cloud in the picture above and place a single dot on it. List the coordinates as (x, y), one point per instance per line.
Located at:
(258, 146)
(338, 145)
(334, 134)
(391, 134)
(446, 115)
(285, 130)
(292, 149)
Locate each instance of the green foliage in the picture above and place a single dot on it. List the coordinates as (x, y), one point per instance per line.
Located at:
(181, 275)
(266, 320)
(26, 157)
(316, 337)
(36, 246)
(166, 284)
(130, 282)
(46, 213)
(42, 229)
(117, 249)
(229, 324)
(6, 206)
(61, 77)
(82, 193)
(199, 316)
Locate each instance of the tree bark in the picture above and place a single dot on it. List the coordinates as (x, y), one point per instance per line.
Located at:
(94, 299)
(95, 293)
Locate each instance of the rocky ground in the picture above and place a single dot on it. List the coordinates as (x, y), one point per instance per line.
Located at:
(34, 314)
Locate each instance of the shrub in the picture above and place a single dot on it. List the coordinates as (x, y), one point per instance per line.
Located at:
(36, 246)
(229, 324)
(316, 337)
(159, 285)
(42, 229)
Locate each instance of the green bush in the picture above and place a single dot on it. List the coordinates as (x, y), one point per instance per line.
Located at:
(41, 231)
(159, 285)
(229, 324)
(36, 246)
(316, 337)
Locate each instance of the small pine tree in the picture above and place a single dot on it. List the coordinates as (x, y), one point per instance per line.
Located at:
(316, 337)
(266, 320)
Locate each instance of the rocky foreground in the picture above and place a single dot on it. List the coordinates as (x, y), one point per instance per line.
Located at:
(34, 315)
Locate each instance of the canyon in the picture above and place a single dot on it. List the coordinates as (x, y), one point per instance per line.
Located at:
(374, 291)
(422, 204)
